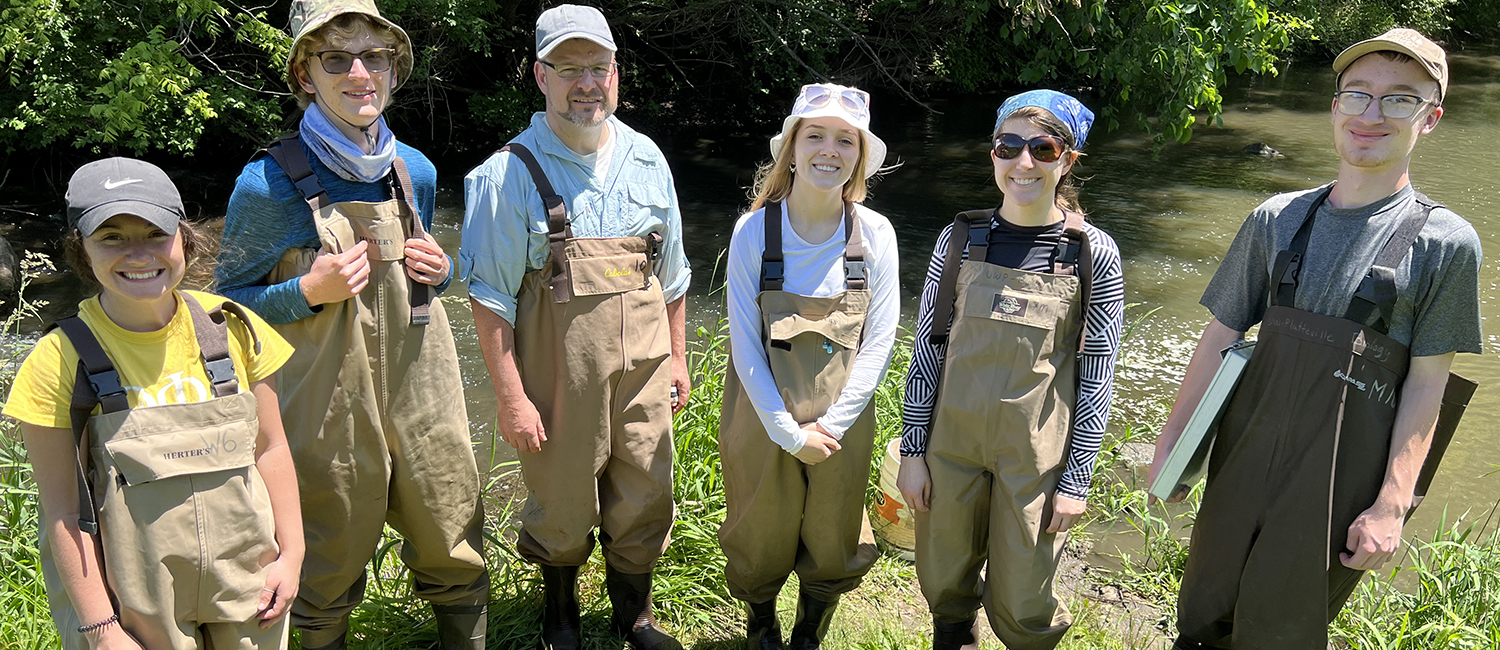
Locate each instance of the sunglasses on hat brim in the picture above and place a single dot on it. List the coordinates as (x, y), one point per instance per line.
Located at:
(1044, 148)
(853, 100)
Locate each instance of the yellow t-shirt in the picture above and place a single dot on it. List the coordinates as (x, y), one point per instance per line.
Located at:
(157, 368)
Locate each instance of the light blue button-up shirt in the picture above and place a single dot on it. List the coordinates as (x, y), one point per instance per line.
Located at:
(505, 223)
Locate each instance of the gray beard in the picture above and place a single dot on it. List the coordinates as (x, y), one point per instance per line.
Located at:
(580, 120)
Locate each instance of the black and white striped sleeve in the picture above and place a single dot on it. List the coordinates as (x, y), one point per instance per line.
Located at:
(1104, 320)
(926, 360)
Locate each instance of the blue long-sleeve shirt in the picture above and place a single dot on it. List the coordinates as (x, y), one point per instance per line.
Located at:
(267, 216)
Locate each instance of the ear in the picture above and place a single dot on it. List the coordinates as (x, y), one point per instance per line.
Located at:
(1431, 121)
(300, 71)
(540, 72)
(1069, 159)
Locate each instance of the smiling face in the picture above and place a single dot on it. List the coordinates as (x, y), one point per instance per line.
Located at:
(588, 100)
(134, 261)
(355, 97)
(1370, 140)
(1024, 180)
(826, 152)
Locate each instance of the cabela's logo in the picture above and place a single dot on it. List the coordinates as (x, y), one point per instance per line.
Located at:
(1009, 305)
(620, 272)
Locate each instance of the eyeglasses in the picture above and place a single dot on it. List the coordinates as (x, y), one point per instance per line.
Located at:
(853, 100)
(339, 61)
(1396, 107)
(604, 71)
(1044, 148)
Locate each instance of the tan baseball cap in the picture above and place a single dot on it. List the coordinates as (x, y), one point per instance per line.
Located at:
(1406, 41)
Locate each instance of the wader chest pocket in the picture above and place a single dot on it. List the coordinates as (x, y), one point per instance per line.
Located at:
(154, 456)
(1034, 310)
(838, 328)
(593, 276)
(386, 237)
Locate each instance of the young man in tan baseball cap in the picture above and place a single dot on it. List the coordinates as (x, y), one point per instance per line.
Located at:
(1372, 288)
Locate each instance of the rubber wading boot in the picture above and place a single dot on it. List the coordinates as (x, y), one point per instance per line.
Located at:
(963, 635)
(630, 594)
(813, 618)
(561, 627)
(763, 631)
(460, 627)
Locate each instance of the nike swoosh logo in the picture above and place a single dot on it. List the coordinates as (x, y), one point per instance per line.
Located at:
(109, 185)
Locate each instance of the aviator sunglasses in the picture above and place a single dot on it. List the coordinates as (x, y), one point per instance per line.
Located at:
(1044, 148)
(853, 100)
(339, 61)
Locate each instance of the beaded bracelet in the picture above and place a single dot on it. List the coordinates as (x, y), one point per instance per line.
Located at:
(85, 629)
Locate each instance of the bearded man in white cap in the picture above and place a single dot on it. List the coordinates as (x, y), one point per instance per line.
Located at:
(1364, 290)
(573, 256)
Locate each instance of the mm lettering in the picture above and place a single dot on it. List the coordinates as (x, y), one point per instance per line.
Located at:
(1383, 393)
(614, 272)
(188, 453)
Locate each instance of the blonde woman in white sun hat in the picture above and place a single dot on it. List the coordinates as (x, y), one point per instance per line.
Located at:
(813, 306)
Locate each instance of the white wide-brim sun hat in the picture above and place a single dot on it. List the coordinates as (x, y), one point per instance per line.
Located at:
(875, 148)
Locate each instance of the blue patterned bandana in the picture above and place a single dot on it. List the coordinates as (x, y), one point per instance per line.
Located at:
(1072, 112)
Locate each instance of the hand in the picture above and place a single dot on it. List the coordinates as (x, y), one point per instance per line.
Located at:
(1065, 512)
(915, 482)
(425, 261)
(521, 425)
(114, 637)
(682, 380)
(280, 590)
(819, 445)
(336, 277)
(1374, 538)
(1159, 459)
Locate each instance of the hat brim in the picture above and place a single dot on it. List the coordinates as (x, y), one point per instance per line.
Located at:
(1357, 50)
(568, 36)
(404, 67)
(875, 149)
(159, 216)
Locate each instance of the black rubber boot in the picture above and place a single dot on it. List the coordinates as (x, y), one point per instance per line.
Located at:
(561, 627)
(955, 636)
(630, 594)
(461, 627)
(762, 630)
(813, 618)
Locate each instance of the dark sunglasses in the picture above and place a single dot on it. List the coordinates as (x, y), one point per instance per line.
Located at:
(339, 61)
(1044, 148)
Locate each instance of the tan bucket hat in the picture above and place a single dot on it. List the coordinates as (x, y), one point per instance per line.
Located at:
(309, 15)
(1410, 42)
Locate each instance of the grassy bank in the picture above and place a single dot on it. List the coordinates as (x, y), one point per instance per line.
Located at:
(1446, 594)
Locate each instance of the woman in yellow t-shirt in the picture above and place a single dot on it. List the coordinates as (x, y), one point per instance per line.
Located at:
(171, 520)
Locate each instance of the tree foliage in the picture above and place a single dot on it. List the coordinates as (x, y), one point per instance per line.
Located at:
(178, 75)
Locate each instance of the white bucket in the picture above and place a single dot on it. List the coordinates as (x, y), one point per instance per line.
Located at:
(893, 522)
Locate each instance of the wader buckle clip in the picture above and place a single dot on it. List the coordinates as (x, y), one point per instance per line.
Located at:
(1293, 267)
(106, 384)
(220, 370)
(88, 525)
(854, 270)
(772, 271)
(654, 243)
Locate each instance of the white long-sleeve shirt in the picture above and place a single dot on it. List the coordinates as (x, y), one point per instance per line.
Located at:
(814, 270)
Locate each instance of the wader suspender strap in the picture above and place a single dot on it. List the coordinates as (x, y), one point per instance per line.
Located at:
(302, 176)
(421, 294)
(1076, 257)
(1375, 299)
(773, 264)
(1289, 262)
(560, 227)
(97, 383)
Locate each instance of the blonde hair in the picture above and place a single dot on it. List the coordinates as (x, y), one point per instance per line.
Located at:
(773, 181)
(1067, 186)
(338, 34)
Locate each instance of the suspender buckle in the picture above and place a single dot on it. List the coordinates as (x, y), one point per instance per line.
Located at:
(1293, 267)
(88, 524)
(220, 370)
(654, 243)
(854, 270)
(772, 271)
(106, 384)
(309, 186)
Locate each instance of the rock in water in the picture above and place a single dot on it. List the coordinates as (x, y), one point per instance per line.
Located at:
(1264, 150)
(10, 277)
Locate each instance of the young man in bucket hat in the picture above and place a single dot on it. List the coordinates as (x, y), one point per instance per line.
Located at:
(1364, 290)
(573, 255)
(326, 237)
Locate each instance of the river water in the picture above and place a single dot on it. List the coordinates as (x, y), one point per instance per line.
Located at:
(1173, 216)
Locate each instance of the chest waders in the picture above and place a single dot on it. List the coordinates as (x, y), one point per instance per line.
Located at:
(373, 406)
(594, 353)
(785, 515)
(1301, 451)
(183, 519)
(1000, 434)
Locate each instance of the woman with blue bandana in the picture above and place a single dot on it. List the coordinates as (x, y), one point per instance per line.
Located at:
(1009, 386)
(327, 238)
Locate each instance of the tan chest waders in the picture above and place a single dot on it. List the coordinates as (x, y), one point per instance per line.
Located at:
(183, 520)
(594, 353)
(785, 515)
(373, 406)
(1000, 434)
(1301, 451)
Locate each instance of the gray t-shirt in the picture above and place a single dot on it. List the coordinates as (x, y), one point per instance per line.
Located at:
(1437, 303)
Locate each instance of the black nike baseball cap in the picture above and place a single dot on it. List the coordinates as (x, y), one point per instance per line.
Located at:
(115, 186)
